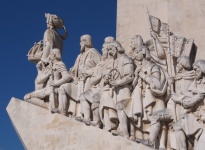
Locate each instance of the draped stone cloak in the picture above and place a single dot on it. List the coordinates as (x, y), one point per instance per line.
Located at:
(125, 66)
(85, 61)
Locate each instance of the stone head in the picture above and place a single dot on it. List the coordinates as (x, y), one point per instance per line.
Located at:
(109, 39)
(143, 54)
(105, 46)
(199, 68)
(114, 49)
(136, 42)
(85, 41)
(183, 63)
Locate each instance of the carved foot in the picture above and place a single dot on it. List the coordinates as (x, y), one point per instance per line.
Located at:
(132, 138)
(145, 142)
(27, 97)
(87, 122)
(95, 123)
(138, 140)
(80, 119)
(120, 133)
(56, 110)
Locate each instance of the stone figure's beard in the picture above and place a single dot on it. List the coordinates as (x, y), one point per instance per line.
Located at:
(104, 56)
(132, 48)
(82, 49)
(114, 55)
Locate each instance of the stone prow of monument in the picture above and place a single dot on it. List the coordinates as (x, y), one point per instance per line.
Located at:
(38, 129)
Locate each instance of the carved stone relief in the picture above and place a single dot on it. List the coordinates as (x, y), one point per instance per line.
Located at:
(152, 95)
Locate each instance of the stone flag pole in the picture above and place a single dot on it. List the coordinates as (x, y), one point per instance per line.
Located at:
(184, 17)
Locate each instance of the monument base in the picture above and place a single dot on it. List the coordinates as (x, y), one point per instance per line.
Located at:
(39, 129)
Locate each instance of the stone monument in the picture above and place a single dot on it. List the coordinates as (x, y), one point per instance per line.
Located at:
(150, 96)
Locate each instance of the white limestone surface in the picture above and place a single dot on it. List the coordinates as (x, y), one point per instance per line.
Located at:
(185, 18)
(39, 129)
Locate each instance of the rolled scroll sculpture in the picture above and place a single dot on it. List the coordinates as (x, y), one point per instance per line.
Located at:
(153, 95)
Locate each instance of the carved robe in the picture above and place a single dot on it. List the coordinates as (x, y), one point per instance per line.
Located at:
(124, 65)
(146, 95)
(181, 87)
(44, 93)
(198, 109)
(190, 121)
(158, 93)
(85, 61)
(108, 107)
(57, 68)
(54, 38)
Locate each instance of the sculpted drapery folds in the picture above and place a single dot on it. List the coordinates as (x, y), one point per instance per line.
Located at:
(137, 45)
(184, 77)
(122, 85)
(52, 39)
(90, 99)
(50, 78)
(136, 95)
(191, 119)
(153, 88)
(88, 58)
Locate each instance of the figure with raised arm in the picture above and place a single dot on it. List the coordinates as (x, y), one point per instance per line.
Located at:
(52, 39)
(154, 95)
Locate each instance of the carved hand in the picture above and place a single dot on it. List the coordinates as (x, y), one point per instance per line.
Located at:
(177, 77)
(114, 83)
(39, 65)
(142, 74)
(135, 118)
(176, 98)
(49, 73)
(170, 81)
(52, 83)
(83, 70)
(153, 34)
(200, 96)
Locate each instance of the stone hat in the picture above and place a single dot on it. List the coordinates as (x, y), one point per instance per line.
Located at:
(54, 20)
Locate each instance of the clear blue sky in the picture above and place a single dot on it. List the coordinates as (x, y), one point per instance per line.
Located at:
(22, 23)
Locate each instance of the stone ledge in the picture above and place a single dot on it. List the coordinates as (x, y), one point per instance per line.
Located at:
(39, 129)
